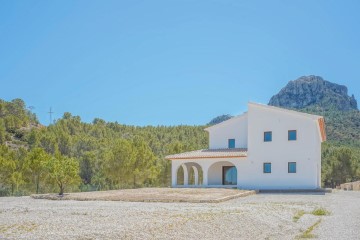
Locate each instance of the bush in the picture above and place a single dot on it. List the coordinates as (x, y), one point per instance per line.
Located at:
(320, 212)
(19, 134)
(4, 192)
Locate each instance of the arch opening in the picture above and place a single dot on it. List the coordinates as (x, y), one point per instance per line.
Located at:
(195, 174)
(180, 175)
(222, 173)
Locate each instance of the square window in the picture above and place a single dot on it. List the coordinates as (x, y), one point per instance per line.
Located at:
(267, 136)
(292, 136)
(267, 167)
(231, 143)
(292, 167)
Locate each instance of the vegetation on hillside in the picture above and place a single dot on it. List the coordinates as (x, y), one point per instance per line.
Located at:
(36, 159)
(342, 127)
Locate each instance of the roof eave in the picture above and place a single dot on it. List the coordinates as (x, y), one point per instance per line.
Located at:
(207, 157)
(226, 121)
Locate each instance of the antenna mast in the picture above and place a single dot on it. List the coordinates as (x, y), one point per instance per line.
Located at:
(50, 113)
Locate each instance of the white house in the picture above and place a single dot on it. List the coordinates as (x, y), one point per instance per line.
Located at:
(264, 148)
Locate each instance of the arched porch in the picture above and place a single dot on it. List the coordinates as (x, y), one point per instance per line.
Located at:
(205, 173)
(208, 167)
(188, 174)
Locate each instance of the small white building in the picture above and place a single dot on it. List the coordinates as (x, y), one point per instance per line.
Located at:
(264, 148)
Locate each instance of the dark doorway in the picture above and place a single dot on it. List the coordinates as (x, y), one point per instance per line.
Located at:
(229, 175)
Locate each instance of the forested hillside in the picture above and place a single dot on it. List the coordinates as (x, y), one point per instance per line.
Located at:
(98, 155)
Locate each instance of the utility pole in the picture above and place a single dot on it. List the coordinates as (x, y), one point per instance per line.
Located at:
(50, 113)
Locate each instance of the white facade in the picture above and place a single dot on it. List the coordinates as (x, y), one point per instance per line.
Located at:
(252, 151)
(234, 128)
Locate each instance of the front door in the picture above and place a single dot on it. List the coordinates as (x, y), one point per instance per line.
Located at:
(229, 175)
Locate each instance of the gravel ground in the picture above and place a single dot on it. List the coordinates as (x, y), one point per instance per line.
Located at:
(262, 216)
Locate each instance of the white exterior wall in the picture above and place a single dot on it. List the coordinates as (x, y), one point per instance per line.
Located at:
(305, 151)
(235, 128)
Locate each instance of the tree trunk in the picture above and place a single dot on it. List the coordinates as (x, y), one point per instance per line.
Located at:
(37, 185)
(165, 176)
(61, 189)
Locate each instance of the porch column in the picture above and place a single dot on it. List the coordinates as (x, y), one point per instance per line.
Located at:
(205, 169)
(186, 175)
(196, 176)
(238, 173)
(174, 168)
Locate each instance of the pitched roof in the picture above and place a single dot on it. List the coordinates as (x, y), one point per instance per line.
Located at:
(294, 112)
(210, 153)
(226, 121)
(312, 116)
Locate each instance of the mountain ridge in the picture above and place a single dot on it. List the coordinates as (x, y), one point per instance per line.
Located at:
(314, 91)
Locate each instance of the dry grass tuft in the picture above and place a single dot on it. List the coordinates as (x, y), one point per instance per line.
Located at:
(307, 233)
(298, 215)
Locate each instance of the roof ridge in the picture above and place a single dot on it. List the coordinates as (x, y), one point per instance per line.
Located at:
(286, 110)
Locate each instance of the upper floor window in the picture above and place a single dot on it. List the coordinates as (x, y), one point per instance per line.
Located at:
(292, 167)
(267, 136)
(267, 167)
(231, 143)
(292, 135)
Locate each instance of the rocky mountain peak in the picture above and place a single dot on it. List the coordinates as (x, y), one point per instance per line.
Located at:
(220, 119)
(308, 91)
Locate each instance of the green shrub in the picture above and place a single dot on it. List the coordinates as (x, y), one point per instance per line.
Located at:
(320, 212)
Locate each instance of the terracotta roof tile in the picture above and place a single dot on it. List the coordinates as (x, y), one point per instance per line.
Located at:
(210, 153)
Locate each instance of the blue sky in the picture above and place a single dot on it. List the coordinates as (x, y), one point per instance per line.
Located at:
(170, 62)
